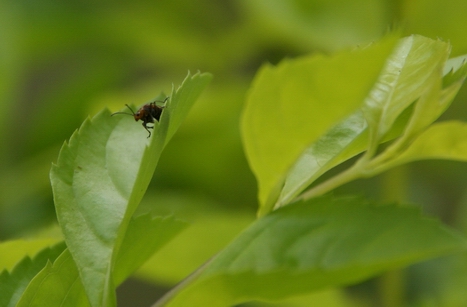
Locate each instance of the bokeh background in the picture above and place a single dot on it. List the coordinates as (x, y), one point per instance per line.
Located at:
(64, 61)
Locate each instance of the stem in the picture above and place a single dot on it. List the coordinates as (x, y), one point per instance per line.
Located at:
(362, 168)
(180, 286)
(350, 174)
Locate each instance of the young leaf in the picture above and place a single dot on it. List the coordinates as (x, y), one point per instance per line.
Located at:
(101, 176)
(339, 144)
(435, 98)
(310, 245)
(427, 109)
(291, 105)
(350, 137)
(13, 284)
(454, 70)
(342, 142)
(445, 140)
(406, 76)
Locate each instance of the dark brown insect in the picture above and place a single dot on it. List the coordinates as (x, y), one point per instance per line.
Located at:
(147, 113)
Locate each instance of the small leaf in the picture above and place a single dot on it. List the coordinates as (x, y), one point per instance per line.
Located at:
(436, 98)
(11, 251)
(101, 176)
(56, 285)
(292, 105)
(407, 75)
(444, 140)
(455, 70)
(13, 284)
(320, 243)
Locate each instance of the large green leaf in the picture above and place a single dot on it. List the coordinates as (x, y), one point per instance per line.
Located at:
(292, 105)
(310, 245)
(101, 176)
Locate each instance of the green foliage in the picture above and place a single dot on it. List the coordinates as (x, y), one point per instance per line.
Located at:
(324, 242)
(341, 116)
(104, 170)
(291, 105)
(13, 284)
(413, 74)
(100, 178)
(329, 242)
(57, 284)
(62, 278)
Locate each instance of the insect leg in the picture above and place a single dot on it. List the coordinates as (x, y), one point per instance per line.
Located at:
(145, 127)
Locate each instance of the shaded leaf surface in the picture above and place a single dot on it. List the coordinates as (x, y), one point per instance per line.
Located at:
(59, 284)
(319, 243)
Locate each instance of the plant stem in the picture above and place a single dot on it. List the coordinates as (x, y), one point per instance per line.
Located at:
(179, 287)
(350, 174)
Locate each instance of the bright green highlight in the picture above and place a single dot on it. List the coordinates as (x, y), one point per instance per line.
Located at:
(292, 105)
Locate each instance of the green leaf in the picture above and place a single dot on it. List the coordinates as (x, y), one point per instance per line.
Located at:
(292, 105)
(455, 70)
(342, 142)
(410, 71)
(57, 284)
(145, 235)
(203, 216)
(101, 176)
(339, 144)
(310, 245)
(428, 108)
(444, 140)
(60, 284)
(350, 137)
(437, 97)
(13, 284)
(11, 251)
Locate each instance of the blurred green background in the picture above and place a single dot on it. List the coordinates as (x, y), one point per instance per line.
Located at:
(64, 61)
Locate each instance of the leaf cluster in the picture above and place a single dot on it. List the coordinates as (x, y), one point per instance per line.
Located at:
(302, 118)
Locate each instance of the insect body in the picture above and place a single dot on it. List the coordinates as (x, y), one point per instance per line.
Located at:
(147, 113)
